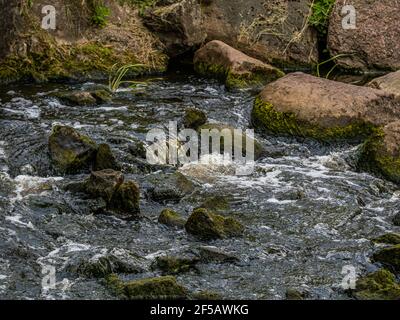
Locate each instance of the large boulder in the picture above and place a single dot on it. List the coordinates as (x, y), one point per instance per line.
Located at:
(179, 25)
(389, 83)
(381, 152)
(374, 43)
(272, 31)
(303, 105)
(238, 70)
(207, 225)
(389, 257)
(70, 151)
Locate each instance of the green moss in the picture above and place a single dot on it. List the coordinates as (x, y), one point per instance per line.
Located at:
(265, 118)
(194, 118)
(100, 15)
(380, 285)
(126, 199)
(374, 158)
(319, 19)
(389, 257)
(389, 238)
(237, 81)
(105, 159)
(175, 265)
(207, 225)
(216, 203)
(171, 218)
(147, 289)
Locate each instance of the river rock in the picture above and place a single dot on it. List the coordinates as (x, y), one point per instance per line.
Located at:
(380, 285)
(381, 152)
(171, 218)
(213, 254)
(217, 59)
(374, 43)
(105, 159)
(194, 118)
(303, 105)
(160, 288)
(103, 184)
(389, 257)
(207, 225)
(126, 200)
(258, 148)
(169, 187)
(73, 98)
(396, 220)
(114, 261)
(175, 265)
(179, 25)
(70, 151)
(389, 238)
(389, 83)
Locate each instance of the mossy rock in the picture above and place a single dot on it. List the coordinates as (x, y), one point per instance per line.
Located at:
(294, 294)
(126, 200)
(103, 184)
(161, 288)
(266, 119)
(105, 159)
(389, 238)
(216, 203)
(214, 255)
(101, 95)
(380, 285)
(380, 153)
(70, 151)
(258, 148)
(175, 265)
(194, 118)
(389, 257)
(206, 225)
(171, 218)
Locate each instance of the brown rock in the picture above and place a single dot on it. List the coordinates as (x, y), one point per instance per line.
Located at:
(389, 83)
(236, 68)
(303, 105)
(103, 183)
(375, 43)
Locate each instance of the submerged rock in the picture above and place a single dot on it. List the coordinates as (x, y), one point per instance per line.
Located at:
(389, 238)
(306, 106)
(171, 218)
(295, 294)
(381, 152)
(115, 261)
(206, 225)
(380, 285)
(217, 59)
(161, 288)
(389, 83)
(396, 220)
(228, 130)
(213, 254)
(194, 118)
(70, 151)
(175, 265)
(389, 257)
(105, 159)
(169, 187)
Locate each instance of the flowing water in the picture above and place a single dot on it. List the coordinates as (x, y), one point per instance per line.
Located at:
(307, 212)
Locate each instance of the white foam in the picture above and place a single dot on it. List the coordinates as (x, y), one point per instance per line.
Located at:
(26, 185)
(17, 221)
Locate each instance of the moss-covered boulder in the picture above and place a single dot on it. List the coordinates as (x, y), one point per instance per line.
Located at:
(223, 130)
(73, 98)
(380, 153)
(217, 59)
(70, 151)
(161, 288)
(306, 106)
(126, 200)
(389, 238)
(171, 218)
(194, 118)
(207, 225)
(389, 257)
(105, 159)
(175, 265)
(380, 285)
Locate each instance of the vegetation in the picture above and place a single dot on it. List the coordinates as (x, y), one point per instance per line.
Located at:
(100, 15)
(321, 10)
(117, 75)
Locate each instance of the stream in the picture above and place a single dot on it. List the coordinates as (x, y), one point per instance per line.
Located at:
(307, 212)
